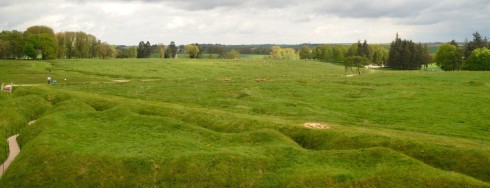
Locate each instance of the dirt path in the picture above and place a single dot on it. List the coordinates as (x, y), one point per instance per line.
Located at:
(14, 151)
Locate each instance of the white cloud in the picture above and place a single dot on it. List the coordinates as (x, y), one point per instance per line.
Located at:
(177, 22)
(118, 9)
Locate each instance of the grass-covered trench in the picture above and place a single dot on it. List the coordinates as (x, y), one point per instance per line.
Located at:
(216, 123)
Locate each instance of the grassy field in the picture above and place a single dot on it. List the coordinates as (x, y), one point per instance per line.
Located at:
(216, 123)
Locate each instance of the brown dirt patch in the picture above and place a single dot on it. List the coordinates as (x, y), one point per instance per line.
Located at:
(121, 81)
(313, 125)
(224, 79)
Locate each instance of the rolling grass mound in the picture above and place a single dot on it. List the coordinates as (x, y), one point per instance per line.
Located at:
(216, 124)
(75, 145)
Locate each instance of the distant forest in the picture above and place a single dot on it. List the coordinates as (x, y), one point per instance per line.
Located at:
(41, 42)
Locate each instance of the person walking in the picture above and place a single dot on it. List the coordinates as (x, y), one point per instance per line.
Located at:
(49, 79)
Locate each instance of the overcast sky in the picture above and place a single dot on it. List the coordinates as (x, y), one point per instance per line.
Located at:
(253, 21)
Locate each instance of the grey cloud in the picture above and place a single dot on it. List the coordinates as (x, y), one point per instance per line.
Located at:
(373, 8)
(237, 21)
(210, 4)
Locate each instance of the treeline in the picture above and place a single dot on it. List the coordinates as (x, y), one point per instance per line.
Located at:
(197, 51)
(81, 45)
(40, 42)
(211, 50)
(373, 54)
(473, 55)
(407, 55)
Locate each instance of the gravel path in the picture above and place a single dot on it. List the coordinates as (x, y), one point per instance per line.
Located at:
(14, 151)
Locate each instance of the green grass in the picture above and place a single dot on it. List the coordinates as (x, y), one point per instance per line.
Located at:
(252, 56)
(219, 123)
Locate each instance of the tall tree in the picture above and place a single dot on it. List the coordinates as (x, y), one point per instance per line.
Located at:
(305, 52)
(323, 53)
(201, 50)
(338, 52)
(232, 54)
(448, 57)
(171, 50)
(70, 41)
(92, 44)
(215, 49)
(13, 43)
(82, 45)
(192, 50)
(40, 29)
(355, 61)
(132, 52)
(147, 49)
(366, 50)
(144, 49)
(41, 39)
(406, 55)
(4, 47)
(477, 42)
(478, 60)
(352, 50)
(360, 49)
(379, 54)
(283, 53)
(61, 39)
(161, 50)
(107, 51)
(40, 44)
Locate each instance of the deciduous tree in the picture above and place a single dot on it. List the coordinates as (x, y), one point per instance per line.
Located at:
(161, 50)
(40, 44)
(448, 57)
(356, 61)
(478, 60)
(107, 51)
(232, 54)
(305, 52)
(283, 53)
(192, 50)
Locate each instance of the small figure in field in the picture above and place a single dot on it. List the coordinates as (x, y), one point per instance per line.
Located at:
(54, 82)
(49, 79)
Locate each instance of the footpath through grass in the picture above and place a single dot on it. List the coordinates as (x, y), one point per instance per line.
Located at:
(238, 123)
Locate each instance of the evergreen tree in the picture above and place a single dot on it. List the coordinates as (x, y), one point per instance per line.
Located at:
(406, 55)
(477, 42)
(360, 49)
(141, 50)
(454, 43)
(171, 50)
(365, 50)
(147, 50)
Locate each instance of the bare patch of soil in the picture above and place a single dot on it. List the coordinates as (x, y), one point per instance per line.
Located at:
(121, 81)
(224, 79)
(317, 125)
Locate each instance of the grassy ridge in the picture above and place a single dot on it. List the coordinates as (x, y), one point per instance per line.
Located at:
(161, 151)
(15, 113)
(214, 123)
(429, 102)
